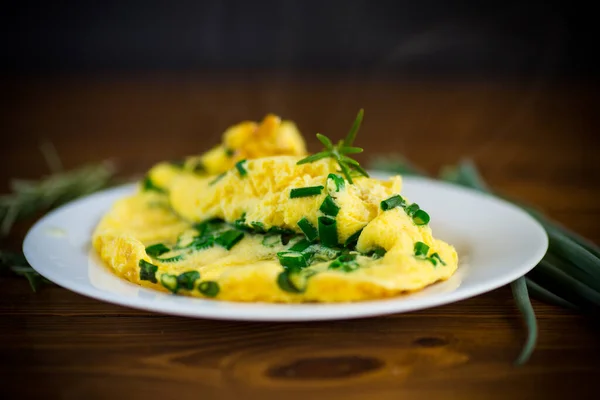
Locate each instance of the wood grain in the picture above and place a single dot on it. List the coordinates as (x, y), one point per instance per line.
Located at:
(537, 144)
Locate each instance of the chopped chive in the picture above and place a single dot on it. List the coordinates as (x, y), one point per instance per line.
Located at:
(229, 238)
(240, 167)
(346, 262)
(292, 260)
(412, 209)
(199, 168)
(421, 249)
(308, 229)
(147, 271)
(209, 288)
(217, 179)
(291, 282)
(202, 243)
(392, 202)
(305, 191)
(169, 281)
(353, 239)
(148, 185)
(301, 245)
(432, 260)
(328, 207)
(283, 231)
(271, 240)
(229, 152)
(337, 180)
(240, 223)
(437, 257)
(186, 280)
(328, 231)
(258, 226)
(420, 217)
(157, 249)
(378, 253)
(176, 258)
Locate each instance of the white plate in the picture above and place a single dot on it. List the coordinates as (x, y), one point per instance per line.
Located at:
(496, 243)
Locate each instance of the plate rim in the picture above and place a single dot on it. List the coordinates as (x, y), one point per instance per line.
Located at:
(226, 310)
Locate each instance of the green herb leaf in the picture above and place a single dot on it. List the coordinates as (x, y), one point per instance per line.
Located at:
(147, 271)
(229, 238)
(156, 250)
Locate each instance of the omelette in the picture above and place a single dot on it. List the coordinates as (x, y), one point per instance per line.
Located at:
(258, 219)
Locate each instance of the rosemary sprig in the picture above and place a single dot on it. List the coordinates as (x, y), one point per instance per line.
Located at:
(340, 151)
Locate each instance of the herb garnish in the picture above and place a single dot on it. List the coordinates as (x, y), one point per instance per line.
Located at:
(340, 151)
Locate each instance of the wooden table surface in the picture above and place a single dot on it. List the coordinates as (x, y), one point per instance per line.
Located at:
(536, 142)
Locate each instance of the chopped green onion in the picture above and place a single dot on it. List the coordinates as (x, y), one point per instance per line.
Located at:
(240, 167)
(209, 288)
(328, 231)
(392, 202)
(229, 238)
(347, 262)
(420, 217)
(199, 168)
(202, 243)
(271, 240)
(148, 185)
(378, 253)
(292, 282)
(157, 249)
(229, 152)
(186, 280)
(258, 226)
(169, 281)
(438, 258)
(338, 181)
(305, 191)
(353, 239)
(421, 249)
(412, 209)
(308, 229)
(299, 246)
(521, 295)
(328, 207)
(217, 179)
(176, 258)
(292, 260)
(147, 271)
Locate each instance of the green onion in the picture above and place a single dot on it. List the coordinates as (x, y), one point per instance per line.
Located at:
(345, 262)
(300, 246)
(292, 260)
(169, 281)
(292, 282)
(308, 229)
(519, 289)
(328, 207)
(209, 288)
(201, 243)
(186, 280)
(420, 217)
(353, 239)
(378, 253)
(199, 168)
(240, 167)
(271, 240)
(328, 231)
(217, 179)
(421, 249)
(176, 258)
(305, 191)
(412, 209)
(157, 249)
(437, 257)
(148, 271)
(229, 238)
(148, 185)
(229, 152)
(258, 226)
(337, 180)
(177, 163)
(392, 202)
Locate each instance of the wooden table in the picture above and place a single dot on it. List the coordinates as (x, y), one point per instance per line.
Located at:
(535, 142)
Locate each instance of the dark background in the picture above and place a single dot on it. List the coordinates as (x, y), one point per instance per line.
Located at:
(402, 38)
